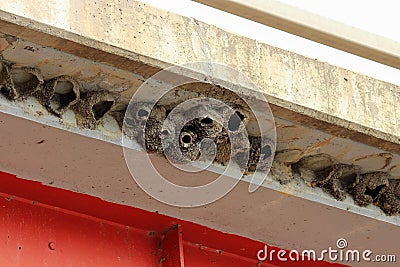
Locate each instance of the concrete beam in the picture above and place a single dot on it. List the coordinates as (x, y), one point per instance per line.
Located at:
(314, 27)
(140, 38)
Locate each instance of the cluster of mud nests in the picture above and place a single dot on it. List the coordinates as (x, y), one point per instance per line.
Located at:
(62, 93)
(337, 179)
(57, 95)
(340, 180)
(251, 153)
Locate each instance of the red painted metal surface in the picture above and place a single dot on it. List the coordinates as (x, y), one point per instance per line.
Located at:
(172, 247)
(34, 235)
(47, 226)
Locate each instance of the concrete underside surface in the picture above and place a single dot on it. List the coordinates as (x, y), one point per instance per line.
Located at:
(286, 217)
(318, 108)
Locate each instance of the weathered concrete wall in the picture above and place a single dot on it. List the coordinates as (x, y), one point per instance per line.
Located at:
(158, 38)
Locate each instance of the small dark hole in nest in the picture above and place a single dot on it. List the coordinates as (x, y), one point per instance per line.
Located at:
(374, 192)
(187, 139)
(206, 120)
(63, 95)
(101, 108)
(143, 113)
(66, 99)
(5, 92)
(235, 120)
(58, 102)
(348, 180)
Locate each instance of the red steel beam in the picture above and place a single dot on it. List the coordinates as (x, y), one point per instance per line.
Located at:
(172, 247)
(46, 226)
(35, 235)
